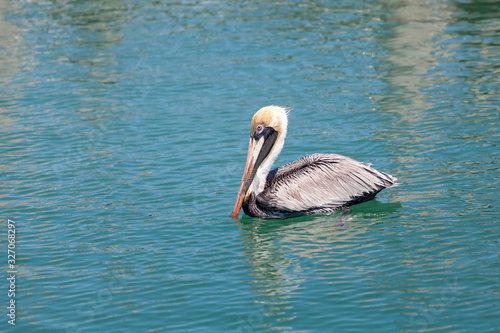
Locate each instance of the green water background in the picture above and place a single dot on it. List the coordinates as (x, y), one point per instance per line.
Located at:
(123, 134)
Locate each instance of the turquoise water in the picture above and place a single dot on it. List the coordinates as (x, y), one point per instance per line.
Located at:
(124, 127)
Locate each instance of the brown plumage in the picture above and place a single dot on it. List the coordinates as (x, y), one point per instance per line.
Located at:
(315, 183)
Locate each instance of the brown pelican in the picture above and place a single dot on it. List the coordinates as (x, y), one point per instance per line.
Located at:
(315, 183)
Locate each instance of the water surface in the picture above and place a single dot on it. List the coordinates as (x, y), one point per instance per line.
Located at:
(124, 127)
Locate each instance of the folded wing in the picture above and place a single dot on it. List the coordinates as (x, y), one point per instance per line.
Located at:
(320, 181)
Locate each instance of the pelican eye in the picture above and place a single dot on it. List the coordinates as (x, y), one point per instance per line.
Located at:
(259, 129)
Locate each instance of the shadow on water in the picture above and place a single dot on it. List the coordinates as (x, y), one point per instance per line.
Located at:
(286, 254)
(336, 220)
(478, 10)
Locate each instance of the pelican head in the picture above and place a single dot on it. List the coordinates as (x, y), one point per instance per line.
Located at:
(267, 137)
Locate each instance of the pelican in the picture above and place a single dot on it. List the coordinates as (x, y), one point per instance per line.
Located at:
(316, 183)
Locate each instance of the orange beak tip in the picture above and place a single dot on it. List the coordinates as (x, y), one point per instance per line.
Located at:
(235, 213)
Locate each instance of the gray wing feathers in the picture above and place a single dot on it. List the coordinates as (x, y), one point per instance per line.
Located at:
(322, 180)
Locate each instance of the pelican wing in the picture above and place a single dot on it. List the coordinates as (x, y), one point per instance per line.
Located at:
(320, 181)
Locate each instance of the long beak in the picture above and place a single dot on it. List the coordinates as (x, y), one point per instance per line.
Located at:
(258, 150)
(248, 175)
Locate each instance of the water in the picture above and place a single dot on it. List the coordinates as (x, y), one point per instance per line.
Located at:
(124, 127)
